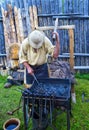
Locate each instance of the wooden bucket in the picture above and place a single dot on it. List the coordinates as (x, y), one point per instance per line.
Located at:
(12, 123)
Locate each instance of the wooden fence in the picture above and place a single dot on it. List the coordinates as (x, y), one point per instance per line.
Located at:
(69, 12)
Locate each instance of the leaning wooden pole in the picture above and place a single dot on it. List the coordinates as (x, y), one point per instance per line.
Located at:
(12, 26)
(17, 24)
(6, 34)
(31, 18)
(58, 27)
(21, 31)
(35, 16)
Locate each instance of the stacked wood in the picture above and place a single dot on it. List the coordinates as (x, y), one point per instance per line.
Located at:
(14, 34)
(9, 28)
(13, 26)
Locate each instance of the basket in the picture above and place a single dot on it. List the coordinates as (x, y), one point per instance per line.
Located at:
(12, 124)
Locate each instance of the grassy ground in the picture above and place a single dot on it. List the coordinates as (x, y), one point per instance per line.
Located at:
(9, 100)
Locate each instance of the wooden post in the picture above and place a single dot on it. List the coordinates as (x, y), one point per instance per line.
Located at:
(12, 26)
(4, 25)
(35, 16)
(21, 32)
(71, 38)
(31, 18)
(17, 24)
(6, 31)
(58, 27)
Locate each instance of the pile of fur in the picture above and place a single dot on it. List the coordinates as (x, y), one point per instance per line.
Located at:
(61, 69)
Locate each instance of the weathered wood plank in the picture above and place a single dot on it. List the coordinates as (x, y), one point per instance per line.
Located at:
(52, 6)
(73, 17)
(66, 6)
(64, 15)
(81, 3)
(29, 3)
(60, 7)
(82, 44)
(76, 36)
(59, 27)
(86, 29)
(21, 4)
(33, 2)
(65, 37)
(70, 6)
(27, 16)
(44, 19)
(86, 7)
(76, 40)
(12, 3)
(57, 6)
(38, 5)
(78, 54)
(2, 45)
(60, 31)
(47, 5)
(39, 10)
(75, 6)
(6, 34)
(81, 67)
(17, 3)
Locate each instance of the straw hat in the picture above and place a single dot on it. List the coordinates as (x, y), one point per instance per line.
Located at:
(36, 39)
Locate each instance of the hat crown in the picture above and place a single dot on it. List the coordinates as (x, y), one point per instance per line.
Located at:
(36, 39)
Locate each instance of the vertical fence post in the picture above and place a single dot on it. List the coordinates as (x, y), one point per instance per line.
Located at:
(71, 38)
(31, 18)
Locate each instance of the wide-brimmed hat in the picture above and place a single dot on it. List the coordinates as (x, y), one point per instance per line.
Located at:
(36, 39)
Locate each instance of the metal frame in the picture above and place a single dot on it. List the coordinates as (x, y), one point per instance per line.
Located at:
(27, 100)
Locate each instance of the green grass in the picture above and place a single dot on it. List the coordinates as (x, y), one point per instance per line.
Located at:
(9, 100)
